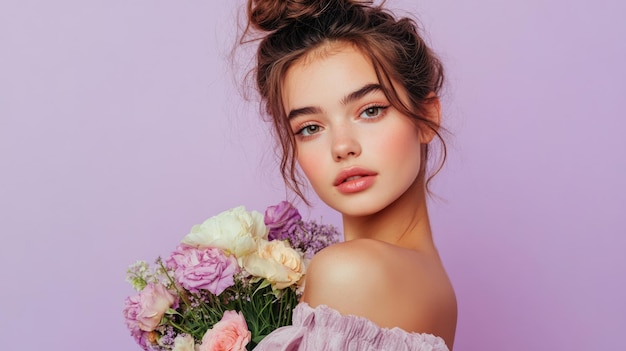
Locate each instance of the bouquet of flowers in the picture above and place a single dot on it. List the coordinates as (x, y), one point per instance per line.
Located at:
(231, 281)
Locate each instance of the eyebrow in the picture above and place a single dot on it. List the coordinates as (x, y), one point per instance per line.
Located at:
(355, 95)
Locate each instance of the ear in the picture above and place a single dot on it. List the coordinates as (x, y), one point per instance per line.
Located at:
(433, 115)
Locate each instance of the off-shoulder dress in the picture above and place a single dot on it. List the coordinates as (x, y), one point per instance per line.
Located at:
(325, 329)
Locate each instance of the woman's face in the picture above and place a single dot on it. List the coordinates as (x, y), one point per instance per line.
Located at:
(358, 152)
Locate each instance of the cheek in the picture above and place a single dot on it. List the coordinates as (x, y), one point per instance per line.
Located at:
(402, 147)
(310, 163)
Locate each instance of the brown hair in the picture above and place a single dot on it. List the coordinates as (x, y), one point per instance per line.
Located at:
(292, 28)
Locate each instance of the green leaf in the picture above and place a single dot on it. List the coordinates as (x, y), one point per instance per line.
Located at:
(172, 311)
(257, 339)
(265, 283)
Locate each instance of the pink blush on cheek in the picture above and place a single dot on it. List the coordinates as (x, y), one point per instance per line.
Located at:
(312, 167)
(403, 143)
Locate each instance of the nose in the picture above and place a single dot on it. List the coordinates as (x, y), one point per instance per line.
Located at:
(345, 145)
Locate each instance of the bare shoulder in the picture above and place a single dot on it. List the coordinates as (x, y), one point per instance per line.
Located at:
(389, 285)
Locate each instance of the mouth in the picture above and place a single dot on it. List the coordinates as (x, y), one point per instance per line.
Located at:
(351, 174)
(351, 178)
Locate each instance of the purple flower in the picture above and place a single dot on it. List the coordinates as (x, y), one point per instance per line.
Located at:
(208, 269)
(132, 309)
(281, 220)
(310, 237)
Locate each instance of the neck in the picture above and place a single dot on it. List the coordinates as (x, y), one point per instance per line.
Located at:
(403, 223)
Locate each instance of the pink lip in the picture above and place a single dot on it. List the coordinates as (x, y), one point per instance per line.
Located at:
(365, 180)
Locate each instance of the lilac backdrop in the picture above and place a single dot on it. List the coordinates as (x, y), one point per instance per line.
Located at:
(120, 127)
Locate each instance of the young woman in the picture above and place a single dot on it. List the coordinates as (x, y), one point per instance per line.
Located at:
(353, 94)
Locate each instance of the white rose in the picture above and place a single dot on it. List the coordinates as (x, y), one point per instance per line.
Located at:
(235, 231)
(275, 261)
(184, 343)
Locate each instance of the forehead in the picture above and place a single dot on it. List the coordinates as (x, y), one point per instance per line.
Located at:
(326, 74)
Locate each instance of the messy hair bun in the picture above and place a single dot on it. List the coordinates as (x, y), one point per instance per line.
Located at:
(271, 15)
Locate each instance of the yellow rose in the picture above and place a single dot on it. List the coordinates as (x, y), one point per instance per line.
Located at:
(184, 343)
(235, 231)
(275, 261)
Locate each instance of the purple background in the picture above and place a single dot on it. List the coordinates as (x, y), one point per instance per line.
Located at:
(121, 126)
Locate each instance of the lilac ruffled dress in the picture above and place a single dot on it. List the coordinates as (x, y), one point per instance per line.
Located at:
(325, 329)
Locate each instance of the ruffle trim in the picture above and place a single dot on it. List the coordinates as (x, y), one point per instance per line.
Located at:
(365, 331)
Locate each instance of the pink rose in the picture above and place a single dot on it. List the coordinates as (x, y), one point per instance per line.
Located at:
(229, 334)
(143, 312)
(132, 308)
(154, 300)
(208, 269)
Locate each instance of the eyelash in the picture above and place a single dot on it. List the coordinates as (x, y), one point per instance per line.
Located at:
(300, 132)
(381, 111)
(302, 129)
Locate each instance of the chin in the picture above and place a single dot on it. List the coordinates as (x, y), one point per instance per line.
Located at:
(359, 208)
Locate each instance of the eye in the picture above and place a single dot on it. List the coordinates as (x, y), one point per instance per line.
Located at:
(372, 112)
(309, 130)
